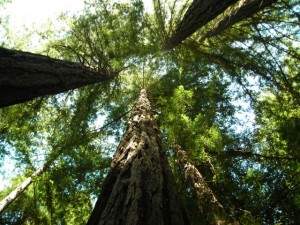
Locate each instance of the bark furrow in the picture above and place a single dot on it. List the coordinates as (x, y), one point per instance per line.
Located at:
(139, 190)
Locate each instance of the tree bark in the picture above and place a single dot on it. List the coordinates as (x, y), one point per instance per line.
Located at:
(198, 14)
(139, 188)
(242, 10)
(25, 76)
(208, 204)
(21, 188)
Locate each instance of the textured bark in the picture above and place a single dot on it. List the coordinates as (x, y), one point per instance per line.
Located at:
(21, 188)
(139, 190)
(24, 76)
(208, 204)
(242, 10)
(198, 14)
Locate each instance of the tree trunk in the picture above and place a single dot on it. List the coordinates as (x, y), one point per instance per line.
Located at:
(21, 188)
(242, 10)
(208, 204)
(139, 190)
(24, 76)
(198, 14)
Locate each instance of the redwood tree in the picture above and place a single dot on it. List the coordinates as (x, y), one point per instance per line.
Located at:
(139, 189)
(208, 204)
(242, 10)
(198, 14)
(25, 76)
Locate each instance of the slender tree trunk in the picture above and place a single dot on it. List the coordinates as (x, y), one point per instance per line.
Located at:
(21, 188)
(208, 204)
(139, 190)
(198, 14)
(240, 11)
(24, 76)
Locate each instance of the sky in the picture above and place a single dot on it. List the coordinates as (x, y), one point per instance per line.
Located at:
(35, 13)
(29, 15)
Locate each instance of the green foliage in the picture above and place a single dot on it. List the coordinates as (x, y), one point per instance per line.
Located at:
(194, 90)
(195, 133)
(106, 37)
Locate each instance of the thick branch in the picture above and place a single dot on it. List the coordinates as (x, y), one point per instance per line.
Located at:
(25, 76)
(198, 14)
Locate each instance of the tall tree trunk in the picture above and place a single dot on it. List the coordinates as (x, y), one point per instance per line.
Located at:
(24, 76)
(21, 188)
(208, 204)
(139, 188)
(240, 11)
(198, 14)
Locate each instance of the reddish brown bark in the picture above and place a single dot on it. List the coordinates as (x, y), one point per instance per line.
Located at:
(208, 204)
(25, 76)
(139, 190)
(198, 14)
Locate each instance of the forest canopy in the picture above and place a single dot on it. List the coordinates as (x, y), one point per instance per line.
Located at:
(224, 85)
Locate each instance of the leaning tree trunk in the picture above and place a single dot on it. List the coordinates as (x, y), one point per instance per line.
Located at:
(242, 10)
(208, 204)
(198, 14)
(24, 76)
(21, 188)
(139, 190)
